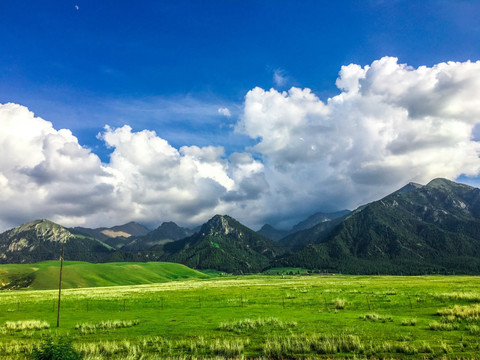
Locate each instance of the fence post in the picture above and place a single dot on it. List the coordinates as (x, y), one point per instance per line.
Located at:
(60, 287)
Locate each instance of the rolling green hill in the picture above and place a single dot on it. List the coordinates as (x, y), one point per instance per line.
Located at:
(44, 275)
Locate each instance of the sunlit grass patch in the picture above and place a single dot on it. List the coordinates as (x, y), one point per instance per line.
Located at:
(455, 296)
(474, 329)
(376, 318)
(26, 325)
(286, 346)
(442, 326)
(216, 346)
(90, 328)
(244, 325)
(340, 304)
(445, 347)
(108, 348)
(467, 312)
(10, 348)
(409, 322)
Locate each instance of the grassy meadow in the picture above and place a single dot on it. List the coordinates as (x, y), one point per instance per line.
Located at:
(269, 316)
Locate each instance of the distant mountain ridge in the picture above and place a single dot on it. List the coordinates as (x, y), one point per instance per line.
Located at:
(271, 233)
(42, 240)
(315, 219)
(115, 236)
(415, 230)
(166, 232)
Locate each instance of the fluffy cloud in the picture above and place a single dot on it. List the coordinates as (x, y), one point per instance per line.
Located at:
(48, 174)
(389, 124)
(45, 172)
(224, 111)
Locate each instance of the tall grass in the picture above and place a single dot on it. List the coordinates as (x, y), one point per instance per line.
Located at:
(164, 348)
(245, 325)
(288, 346)
(376, 318)
(91, 328)
(108, 348)
(465, 296)
(217, 346)
(439, 326)
(26, 325)
(467, 312)
(340, 304)
(409, 322)
(11, 348)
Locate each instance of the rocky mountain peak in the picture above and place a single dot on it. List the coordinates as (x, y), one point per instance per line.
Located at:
(219, 225)
(411, 186)
(44, 229)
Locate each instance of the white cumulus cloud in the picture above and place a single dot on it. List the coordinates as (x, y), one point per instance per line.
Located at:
(388, 125)
(45, 173)
(391, 124)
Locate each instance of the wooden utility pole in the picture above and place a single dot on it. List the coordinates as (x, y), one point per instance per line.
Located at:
(60, 288)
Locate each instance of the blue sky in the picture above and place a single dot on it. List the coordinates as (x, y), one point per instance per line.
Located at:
(73, 67)
(169, 66)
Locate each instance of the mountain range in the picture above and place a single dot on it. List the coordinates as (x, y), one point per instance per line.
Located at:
(313, 220)
(418, 229)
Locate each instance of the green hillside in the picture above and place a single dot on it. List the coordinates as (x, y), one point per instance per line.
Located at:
(44, 275)
(226, 245)
(419, 229)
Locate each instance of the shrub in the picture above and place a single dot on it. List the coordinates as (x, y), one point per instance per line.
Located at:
(60, 350)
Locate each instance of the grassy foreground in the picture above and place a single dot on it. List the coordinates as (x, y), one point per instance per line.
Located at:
(255, 316)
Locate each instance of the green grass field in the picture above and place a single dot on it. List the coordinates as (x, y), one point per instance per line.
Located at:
(269, 316)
